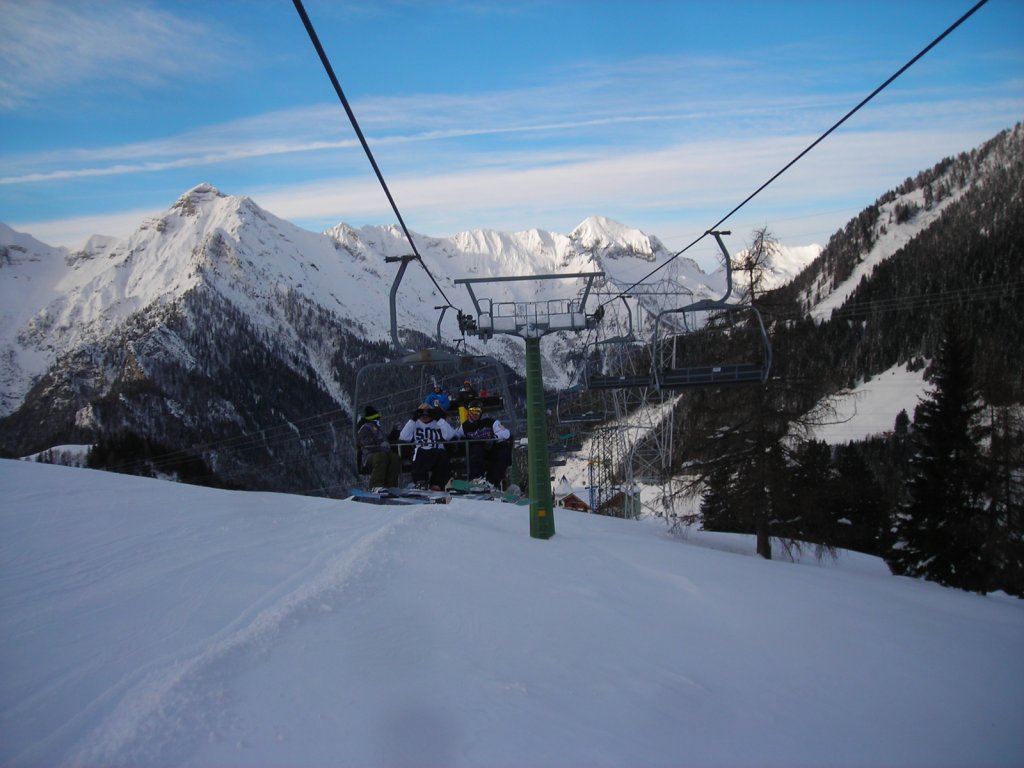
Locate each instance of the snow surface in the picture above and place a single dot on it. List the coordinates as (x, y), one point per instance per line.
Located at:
(151, 623)
(870, 408)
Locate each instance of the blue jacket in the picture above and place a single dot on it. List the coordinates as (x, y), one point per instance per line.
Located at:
(438, 400)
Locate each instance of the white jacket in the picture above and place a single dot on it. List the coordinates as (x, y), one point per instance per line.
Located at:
(428, 436)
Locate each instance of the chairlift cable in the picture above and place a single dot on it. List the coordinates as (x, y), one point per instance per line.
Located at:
(811, 146)
(905, 303)
(930, 300)
(277, 432)
(362, 140)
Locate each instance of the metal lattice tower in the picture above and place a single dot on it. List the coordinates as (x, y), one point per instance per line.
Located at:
(637, 448)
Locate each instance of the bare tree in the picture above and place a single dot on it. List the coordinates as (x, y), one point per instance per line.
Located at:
(742, 443)
(755, 261)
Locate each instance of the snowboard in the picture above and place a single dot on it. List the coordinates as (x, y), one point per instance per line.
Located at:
(469, 489)
(400, 496)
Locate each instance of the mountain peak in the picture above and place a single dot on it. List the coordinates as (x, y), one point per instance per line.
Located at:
(612, 239)
(195, 198)
(598, 229)
(17, 247)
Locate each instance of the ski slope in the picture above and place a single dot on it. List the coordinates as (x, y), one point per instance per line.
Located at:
(151, 623)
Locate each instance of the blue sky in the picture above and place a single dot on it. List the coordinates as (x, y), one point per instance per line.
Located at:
(503, 115)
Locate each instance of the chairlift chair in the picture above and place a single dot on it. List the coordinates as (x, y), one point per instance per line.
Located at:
(732, 349)
(741, 353)
(398, 386)
(612, 362)
(575, 406)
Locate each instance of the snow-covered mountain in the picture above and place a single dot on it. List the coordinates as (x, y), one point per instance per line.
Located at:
(57, 301)
(881, 230)
(178, 331)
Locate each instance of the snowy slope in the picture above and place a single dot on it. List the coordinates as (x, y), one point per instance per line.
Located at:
(151, 623)
(870, 408)
(29, 275)
(889, 241)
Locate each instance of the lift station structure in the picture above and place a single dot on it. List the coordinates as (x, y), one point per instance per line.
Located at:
(531, 320)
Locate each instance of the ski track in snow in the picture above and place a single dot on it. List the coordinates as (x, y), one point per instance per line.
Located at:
(147, 623)
(170, 697)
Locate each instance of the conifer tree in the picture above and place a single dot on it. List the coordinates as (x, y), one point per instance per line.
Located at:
(943, 530)
(857, 500)
(717, 501)
(1006, 498)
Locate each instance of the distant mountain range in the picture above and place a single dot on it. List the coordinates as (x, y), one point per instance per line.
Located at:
(217, 320)
(57, 301)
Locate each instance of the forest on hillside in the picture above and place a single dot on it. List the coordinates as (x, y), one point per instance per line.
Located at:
(941, 494)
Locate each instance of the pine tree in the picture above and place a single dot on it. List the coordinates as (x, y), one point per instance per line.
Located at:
(943, 529)
(805, 511)
(1006, 496)
(856, 498)
(716, 501)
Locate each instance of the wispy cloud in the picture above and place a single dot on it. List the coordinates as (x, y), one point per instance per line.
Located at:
(48, 46)
(675, 192)
(589, 103)
(690, 184)
(650, 141)
(470, 130)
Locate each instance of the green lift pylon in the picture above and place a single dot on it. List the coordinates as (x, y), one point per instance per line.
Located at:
(542, 515)
(531, 321)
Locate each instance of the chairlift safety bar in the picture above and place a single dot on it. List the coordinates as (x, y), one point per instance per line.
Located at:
(716, 374)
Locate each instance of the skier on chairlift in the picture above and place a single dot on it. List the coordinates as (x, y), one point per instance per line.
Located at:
(438, 398)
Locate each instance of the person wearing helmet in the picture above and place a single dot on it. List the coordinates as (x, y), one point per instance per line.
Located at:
(376, 456)
(438, 398)
(490, 451)
(465, 395)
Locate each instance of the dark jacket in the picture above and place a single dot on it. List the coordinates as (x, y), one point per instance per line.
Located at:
(370, 439)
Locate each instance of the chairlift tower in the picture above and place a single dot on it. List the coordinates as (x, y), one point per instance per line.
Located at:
(530, 320)
(610, 469)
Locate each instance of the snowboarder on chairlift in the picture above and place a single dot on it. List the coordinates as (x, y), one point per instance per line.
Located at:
(490, 453)
(429, 431)
(438, 398)
(384, 465)
(465, 395)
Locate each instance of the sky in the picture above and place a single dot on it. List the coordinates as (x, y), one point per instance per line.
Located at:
(485, 114)
(144, 622)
